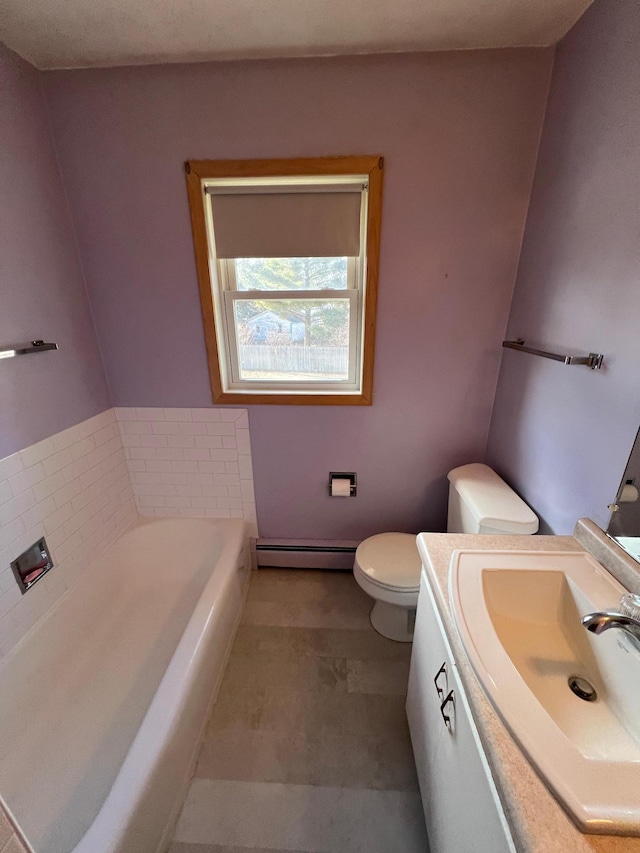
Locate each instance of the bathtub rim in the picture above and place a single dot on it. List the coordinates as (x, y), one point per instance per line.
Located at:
(108, 829)
(141, 761)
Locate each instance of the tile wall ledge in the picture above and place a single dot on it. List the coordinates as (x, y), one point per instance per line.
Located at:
(607, 552)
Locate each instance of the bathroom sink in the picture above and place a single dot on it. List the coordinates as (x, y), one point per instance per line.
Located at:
(518, 615)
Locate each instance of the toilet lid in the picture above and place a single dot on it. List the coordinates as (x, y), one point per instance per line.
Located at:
(391, 559)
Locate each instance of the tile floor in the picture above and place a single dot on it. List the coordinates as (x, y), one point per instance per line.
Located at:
(307, 749)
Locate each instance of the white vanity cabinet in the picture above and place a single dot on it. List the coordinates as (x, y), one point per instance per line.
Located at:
(462, 811)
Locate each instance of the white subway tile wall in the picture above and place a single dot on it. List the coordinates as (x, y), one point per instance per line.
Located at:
(190, 462)
(74, 489)
(83, 487)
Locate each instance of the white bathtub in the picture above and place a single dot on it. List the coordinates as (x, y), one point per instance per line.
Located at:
(103, 703)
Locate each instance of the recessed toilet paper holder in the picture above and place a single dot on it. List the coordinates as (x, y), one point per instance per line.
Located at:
(343, 475)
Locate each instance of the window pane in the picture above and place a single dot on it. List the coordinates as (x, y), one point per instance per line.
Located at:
(293, 340)
(291, 273)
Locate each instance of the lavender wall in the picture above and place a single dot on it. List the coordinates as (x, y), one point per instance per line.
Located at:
(459, 133)
(563, 434)
(42, 293)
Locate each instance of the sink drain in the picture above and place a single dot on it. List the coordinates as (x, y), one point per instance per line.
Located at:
(582, 688)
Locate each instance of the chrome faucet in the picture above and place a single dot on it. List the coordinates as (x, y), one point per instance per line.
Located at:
(602, 621)
(627, 618)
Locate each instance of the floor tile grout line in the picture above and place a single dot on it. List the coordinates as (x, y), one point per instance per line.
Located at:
(334, 665)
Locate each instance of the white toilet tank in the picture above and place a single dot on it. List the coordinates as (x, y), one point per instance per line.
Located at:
(481, 502)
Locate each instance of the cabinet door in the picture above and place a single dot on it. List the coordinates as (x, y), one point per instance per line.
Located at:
(461, 806)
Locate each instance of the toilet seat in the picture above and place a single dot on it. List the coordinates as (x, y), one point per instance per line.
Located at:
(390, 561)
(387, 567)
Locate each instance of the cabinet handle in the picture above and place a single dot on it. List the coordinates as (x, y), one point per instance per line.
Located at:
(450, 697)
(441, 671)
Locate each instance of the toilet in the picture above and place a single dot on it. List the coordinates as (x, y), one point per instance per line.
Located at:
(387, 566)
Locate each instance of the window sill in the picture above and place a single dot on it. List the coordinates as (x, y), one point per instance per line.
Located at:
(258, 399)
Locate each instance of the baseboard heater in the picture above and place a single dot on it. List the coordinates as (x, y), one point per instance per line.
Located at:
(306, 553)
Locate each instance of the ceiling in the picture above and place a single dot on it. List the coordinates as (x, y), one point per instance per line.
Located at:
(81, 33)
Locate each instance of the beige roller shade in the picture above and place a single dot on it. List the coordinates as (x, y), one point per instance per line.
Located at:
(285, 224)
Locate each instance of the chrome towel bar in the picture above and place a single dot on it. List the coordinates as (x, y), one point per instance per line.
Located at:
(25, 349)
(593, 360)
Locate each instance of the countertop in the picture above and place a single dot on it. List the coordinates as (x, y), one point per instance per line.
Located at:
(538, 822)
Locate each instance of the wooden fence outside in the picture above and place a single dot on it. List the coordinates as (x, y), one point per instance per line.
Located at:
(294, 359)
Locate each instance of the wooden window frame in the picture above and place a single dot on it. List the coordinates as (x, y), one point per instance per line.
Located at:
(198, 171)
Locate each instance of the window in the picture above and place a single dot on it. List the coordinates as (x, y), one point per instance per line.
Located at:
(287, 258)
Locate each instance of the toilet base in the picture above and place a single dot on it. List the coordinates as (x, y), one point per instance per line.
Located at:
(393, 622)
